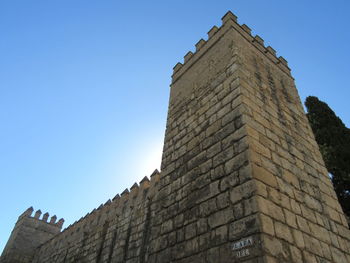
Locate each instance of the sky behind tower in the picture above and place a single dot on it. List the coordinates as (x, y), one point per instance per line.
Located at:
(84, 87)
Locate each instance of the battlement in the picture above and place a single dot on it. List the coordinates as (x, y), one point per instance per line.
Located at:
(128, 196)
(44, 219)
(229, 20)
(114, 211)
(34, 227)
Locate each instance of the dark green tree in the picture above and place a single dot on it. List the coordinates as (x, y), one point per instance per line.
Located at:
(333, 138)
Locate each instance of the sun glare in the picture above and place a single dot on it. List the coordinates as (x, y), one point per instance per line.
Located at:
(150, 158)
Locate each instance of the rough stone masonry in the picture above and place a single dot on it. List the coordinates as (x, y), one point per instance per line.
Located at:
(242, 178)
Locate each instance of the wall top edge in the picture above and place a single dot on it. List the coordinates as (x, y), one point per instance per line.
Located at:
(229, 20)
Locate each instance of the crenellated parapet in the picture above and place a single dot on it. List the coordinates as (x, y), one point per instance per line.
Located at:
(229, 20)
(129, 197)
(34, 227)
(27, 213)
(48, 229)
(113, 219)
(44, 219)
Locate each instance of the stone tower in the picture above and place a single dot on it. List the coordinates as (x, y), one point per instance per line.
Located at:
(28, 234)
(242, 177)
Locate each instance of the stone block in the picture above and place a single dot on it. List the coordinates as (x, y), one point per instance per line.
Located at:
(308, 213)
(167, 226)
(235, 163)
(267, 225)
(221, 217)
(290, 218)
(243, 191)
(202, 225)
(208, 207)
(291, 178)
(313, 245)
(264, 175)
(219, 235)
(296, 254)
(269, 208)
(214, 150)
(190, 230)
(229, 16)
(308, 257)
(295, 207)
(229, 181)
(223, 200)
(320, 232)
(246, 28)
(212, 31)
(326, 251)
(223, 156)
(276, 248)
(283, 232)
(298, 239)
(338, 256)
(243, 227)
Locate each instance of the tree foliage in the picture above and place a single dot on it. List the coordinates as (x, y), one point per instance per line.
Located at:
(333, 138)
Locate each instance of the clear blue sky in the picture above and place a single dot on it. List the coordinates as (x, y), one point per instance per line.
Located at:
(84, 87)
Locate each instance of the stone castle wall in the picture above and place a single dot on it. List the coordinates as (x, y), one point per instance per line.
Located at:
(115, 232)
(242, 177)
(28, 234)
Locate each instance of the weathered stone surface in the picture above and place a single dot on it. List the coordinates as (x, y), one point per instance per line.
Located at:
(240, 166)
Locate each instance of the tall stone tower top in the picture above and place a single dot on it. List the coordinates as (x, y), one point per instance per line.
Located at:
(228, 20)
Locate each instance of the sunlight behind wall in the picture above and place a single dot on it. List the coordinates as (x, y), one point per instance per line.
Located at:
(150, 158)
(131, 164)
